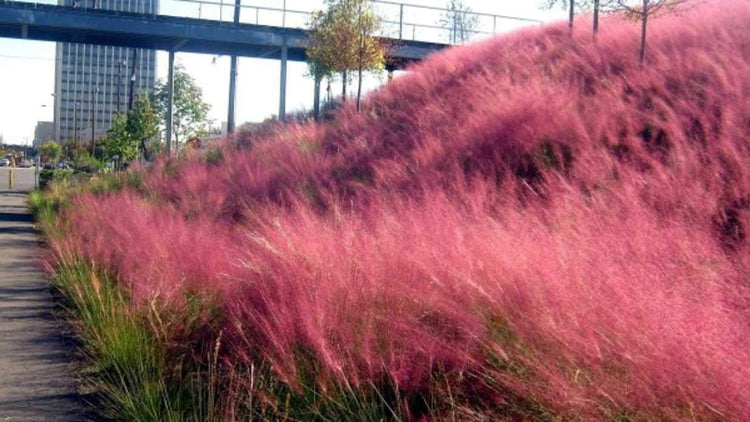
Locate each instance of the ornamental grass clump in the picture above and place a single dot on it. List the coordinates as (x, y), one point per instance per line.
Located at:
(530, 227)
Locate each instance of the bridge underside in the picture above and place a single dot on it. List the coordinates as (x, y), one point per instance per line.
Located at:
(158, 32)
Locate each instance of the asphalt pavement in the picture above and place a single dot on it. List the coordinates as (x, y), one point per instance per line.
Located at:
(36, 378)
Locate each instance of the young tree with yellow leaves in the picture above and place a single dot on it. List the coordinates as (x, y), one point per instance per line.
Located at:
(343, 39)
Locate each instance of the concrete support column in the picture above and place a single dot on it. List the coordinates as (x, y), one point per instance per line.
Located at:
(170, 101)
(232, 95)
(316, 99)
(282, 90)
(233, 77)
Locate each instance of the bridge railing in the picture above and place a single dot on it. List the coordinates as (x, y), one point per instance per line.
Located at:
(399, 20)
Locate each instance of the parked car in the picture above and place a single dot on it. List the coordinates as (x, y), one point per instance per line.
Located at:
(26, 164)
(4, 162)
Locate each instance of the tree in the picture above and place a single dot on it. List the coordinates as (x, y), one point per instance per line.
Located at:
(643, 11)
(570, 4)
(51, 151)
(460, 21)
(370, 54)
(132, 131)
(596, 7)
(342, 40)
(189, 111)
(322, 56)
(330, 48)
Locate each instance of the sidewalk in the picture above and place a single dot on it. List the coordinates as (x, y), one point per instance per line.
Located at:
(35, 378)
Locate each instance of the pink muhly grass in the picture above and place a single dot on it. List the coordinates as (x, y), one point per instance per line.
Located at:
(532, 216)
(153, 250)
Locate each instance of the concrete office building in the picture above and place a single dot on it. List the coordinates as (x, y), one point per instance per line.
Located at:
(43, 132)
(92, 82)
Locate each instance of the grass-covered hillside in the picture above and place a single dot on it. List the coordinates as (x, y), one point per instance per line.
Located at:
(533, 227)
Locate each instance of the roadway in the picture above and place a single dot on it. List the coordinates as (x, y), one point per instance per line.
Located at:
(23, 181)
(37, 382)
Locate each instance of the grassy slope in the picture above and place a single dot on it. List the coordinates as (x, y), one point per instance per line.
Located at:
(528, 227)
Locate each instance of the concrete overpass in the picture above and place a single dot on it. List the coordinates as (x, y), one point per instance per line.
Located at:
(58, 23)
(158, 32)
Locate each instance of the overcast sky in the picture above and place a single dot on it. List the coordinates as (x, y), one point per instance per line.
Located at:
(27, 67)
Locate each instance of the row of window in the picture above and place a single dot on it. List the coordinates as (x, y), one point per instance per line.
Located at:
(113, 100)
(123, 52)
(87, 61)
(85, 93)
(87, 69)
(99, 124)
(91, 58)
(84, 113)
(84, 122)
(106, 70)
(144, 73)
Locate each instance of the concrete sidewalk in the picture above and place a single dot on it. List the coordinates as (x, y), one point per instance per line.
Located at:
(36, 382)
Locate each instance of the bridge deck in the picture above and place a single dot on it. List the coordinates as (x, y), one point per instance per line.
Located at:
(105, 27)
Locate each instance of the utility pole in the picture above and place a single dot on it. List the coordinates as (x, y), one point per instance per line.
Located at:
(131, 97)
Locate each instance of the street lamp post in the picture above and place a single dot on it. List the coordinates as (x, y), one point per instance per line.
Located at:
(120, 64)
(75, 126)
(93, 120)
(131, 94)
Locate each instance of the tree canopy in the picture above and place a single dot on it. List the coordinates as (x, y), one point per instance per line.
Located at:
(643, 10)
(596, 7)
(460, 21)
(343, 39)
(51, 151)
(131, 131)
(189, 111)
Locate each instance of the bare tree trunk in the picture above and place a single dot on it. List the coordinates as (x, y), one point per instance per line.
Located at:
(328, 91)
(359, 88)
(572, 14)
(360, 54)
(644, 29)
(343, 89)
(596, 18)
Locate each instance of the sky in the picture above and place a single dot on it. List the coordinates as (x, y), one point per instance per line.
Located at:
(27, 68)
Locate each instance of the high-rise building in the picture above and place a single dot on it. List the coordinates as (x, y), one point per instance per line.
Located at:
(92, 82)
(43, 132)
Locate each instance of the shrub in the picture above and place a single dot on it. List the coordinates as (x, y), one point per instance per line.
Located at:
(58, 175)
